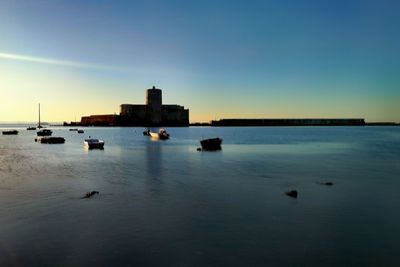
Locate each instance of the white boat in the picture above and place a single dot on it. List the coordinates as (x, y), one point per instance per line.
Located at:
(162, 134)
(94, 143)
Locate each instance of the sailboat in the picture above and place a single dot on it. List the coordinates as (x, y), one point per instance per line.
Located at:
(44, 132)
(39, 125)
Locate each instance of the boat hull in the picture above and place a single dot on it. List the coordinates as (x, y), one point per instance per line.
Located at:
(159, 136)
(154, 135)
(44, 133)
(50, 140)
(211, 144)
(13, 132)
(94, 144)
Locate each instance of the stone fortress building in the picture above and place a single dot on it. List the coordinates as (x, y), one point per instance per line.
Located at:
(153, 113)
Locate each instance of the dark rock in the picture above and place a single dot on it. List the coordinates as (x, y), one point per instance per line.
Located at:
(199, 149)
(292, 193)
(326, 183)
(90, 194)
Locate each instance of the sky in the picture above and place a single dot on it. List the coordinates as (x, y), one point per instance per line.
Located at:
(220, 59)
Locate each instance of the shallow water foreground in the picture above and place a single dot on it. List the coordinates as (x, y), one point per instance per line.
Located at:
(162, 203)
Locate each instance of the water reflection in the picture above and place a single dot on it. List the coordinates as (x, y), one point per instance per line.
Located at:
(154, 165)
(225, 208)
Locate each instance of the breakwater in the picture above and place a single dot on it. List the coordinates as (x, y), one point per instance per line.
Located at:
(289, 122)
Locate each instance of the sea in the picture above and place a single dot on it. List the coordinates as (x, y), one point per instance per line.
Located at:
(163, 203)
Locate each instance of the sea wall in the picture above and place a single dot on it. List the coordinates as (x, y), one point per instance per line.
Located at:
(288, 122)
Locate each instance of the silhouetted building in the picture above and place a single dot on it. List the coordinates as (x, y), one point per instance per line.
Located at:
(134, 113)
(100, 120)
(153, 113)
(174, 113)
(154, 104)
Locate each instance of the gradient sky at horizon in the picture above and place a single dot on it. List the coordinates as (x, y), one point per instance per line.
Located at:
(220, 59)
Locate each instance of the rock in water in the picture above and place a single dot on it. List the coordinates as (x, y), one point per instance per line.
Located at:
(326, 183)
(90, 194)
(292, 193)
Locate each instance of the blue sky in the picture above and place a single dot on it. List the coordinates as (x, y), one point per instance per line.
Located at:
(221, 59)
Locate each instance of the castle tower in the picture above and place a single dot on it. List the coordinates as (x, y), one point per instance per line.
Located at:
(154, 104)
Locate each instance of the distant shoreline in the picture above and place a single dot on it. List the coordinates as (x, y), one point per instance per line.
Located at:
(196, 124)
(366, 124)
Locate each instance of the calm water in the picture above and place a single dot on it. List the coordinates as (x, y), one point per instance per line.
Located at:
(162, 203)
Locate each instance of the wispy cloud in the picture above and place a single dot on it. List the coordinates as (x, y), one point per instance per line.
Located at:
(67, 63)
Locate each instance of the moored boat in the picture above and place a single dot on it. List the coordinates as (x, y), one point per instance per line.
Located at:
(50, 140)
(211, 144)
(44, 132)
(80, 131)
(73, 130)
(10, 132)
(146, 132)
(162, 134)
(94, 143)
(31, 128)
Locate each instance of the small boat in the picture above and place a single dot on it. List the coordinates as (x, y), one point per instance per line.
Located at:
(50, 140)
(94, 143)
(73, 130)
(80, 131)
(10, 132)
(31, 128)
(211, 144)
(162, 134)
(44, 132)
(146, 133)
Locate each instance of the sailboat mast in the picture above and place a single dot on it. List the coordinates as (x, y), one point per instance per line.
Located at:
(39, 115)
